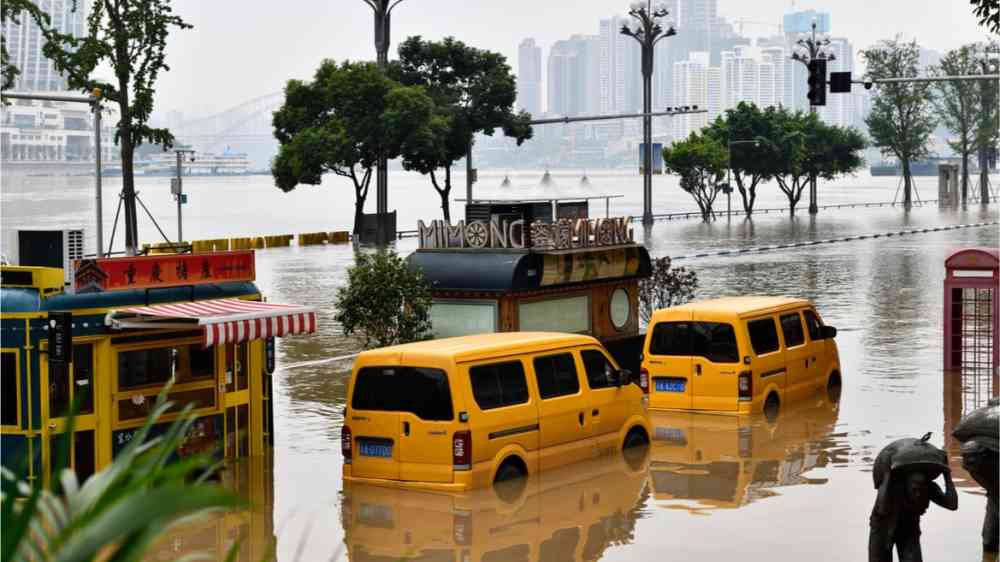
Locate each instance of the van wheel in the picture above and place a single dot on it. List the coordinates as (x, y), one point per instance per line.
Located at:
(636, 437)
(771, 407)
(510, 469)
(833, 387)
(509, 482)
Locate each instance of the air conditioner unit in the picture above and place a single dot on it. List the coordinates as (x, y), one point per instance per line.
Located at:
(44, 248)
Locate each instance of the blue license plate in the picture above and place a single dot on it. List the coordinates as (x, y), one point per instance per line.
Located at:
(670, 385)
(670, 435)
(369, 449)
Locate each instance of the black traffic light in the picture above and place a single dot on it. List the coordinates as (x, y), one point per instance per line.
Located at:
(817, 82)
(840, 82)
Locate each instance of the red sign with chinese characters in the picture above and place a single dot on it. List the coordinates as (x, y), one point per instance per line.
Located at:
(166, 270)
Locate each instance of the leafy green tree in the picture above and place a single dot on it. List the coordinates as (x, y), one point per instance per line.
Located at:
(130, 37)
(12, 11)
(473, 92)
(750, 164)
(958, 102)
(341, 122)
(385, 301)
(667, 286)
(701, 163)
(901, 121)
(988, 12)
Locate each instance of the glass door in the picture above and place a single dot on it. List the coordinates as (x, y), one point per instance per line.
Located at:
(67, 386)
(236, 386)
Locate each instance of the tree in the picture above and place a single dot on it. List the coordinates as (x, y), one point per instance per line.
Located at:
(666, 287)
(988, 117)
(900, 122)
(473, 92)
(341, 122)
(385, 301)
(12, 11)
(958, 102)
(701, 162)
(749, 165)
(130, 37)
(988, 12)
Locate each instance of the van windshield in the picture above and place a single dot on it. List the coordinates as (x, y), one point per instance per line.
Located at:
(417, 390)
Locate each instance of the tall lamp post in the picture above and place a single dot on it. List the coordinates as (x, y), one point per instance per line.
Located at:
(647, 30)
(808, 49)
(382, 10)
(729, 174)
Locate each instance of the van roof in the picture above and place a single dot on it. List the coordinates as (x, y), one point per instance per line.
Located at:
(740, 306)
(468, 348)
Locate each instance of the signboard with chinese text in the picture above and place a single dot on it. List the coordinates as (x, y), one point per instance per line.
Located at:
(563, 234)
(160, 271)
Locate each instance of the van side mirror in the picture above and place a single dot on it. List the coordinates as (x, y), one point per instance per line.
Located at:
(827, 332)
(625, 376)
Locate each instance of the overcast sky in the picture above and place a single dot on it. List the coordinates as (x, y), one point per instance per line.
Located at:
(241, 49)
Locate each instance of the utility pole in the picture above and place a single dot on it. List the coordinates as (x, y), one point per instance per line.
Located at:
(812, 51)
(646, 29)
(177, 188)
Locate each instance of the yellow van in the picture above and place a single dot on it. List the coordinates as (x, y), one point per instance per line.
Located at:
(462, 413)
(738, 355)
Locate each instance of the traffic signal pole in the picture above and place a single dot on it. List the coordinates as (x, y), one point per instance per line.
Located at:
(814, 56)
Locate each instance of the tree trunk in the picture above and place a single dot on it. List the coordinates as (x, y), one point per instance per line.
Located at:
(445, 193)
(793, 199)
(984, 181)
(128, 174)
(965, 172)
(908, 186)
(359, 208)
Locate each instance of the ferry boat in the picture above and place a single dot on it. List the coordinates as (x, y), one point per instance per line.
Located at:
(115, 334)
(202, 164)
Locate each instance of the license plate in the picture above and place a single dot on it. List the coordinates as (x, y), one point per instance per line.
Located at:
(369, 449)
(670, 435)
(670, 385)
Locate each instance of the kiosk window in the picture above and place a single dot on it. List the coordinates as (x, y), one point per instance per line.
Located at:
(499, 385)
(791, 328)
(600, 371)
(237, 366)
(556, 375)
(146, 367)
(83, 377)
(564, 314)
(763, 335)
(420, 391)
(8, 388)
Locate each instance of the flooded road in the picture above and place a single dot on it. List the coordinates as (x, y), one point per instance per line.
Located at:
(708, 488)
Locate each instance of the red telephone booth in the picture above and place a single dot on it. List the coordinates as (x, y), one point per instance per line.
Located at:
(972, 310)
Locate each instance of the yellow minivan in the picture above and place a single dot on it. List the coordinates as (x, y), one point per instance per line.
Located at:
(462, 413)
(738, 355)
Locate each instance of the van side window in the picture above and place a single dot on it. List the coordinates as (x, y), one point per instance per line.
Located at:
(556, 375)
(498, 385)
(599, 370)
(419, 391)
(763, 335)
(671, 338)
(813, 324)
(714, 341)
(791, 328)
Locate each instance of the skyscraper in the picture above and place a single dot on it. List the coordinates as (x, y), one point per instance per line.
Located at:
(529, 77)
(619, 67)
(573, 76)
(839, 108)
(690, 83)
(24, 44)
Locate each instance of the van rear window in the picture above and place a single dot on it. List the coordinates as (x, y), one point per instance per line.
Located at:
(715, 341)
(419, 391)
(671, 338)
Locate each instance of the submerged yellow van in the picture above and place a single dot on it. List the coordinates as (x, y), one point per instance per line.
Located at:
(739, 355)
(461, 413)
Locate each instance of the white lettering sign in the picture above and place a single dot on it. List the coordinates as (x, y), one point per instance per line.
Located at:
(563, 234)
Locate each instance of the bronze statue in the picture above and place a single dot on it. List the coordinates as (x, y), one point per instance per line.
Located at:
(904, 474)
(979, 433)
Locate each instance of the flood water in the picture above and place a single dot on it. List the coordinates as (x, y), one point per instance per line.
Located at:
(708, 488)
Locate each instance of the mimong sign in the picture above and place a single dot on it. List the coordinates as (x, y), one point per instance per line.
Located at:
(563, 234)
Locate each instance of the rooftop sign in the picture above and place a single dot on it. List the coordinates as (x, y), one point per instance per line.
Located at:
(563, 234)
(163, 270)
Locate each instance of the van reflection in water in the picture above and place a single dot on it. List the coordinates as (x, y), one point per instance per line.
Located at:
(569, 513)
(704, 461)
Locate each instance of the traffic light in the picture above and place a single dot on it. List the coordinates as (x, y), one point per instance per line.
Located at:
(817, 82)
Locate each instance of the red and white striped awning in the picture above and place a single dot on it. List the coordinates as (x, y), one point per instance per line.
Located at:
(222, 320)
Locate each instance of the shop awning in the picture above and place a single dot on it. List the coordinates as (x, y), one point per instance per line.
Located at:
(221, 320)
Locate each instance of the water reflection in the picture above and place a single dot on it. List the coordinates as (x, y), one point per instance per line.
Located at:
(571, 513)
(702, 461)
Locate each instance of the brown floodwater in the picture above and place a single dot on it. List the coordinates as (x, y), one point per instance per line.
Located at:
(708, 487)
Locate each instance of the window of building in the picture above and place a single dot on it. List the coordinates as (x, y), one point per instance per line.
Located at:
(463, 318)
(763, 335)
(237, 366)
(83, 377)
(600, 371)
(565, 314)
(813, 325)
(556, 375)
(420, 391)
(8, 388)
(498, 385)
(791, 328)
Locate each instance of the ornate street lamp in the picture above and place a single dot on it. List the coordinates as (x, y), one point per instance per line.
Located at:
(383, 13)
(809, 48)
(647, 30)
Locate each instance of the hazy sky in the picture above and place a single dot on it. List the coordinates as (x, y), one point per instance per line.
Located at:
(241, 49)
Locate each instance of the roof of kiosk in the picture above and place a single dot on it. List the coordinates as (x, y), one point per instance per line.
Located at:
(973, 258)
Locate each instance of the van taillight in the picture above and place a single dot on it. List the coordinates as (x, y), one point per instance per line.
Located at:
(461, 450)
(345, 444)
(644, 380)
(746, 386)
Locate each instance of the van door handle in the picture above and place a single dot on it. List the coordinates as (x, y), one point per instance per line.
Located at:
(697, 369)
(406, 428)
(580, 417)
(595, 412)
(807, 362)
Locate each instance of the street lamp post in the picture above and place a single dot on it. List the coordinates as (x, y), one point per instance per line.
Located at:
(812, 48)
(729, 174)
(382, 10)
(646, 29)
